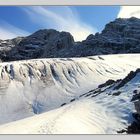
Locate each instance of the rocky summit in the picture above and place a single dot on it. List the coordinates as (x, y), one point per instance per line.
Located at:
(119, 36)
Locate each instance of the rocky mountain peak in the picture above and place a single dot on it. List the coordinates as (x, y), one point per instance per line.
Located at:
(122, 26)
(45, 36)
(119, 36)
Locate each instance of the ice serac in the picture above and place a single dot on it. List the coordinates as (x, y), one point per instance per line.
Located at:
(102, 110)
(35, 86)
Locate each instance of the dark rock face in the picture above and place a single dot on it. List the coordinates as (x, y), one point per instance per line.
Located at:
(41, 44)
(6, 46)
(136, 97)
(130, 76)
(63, 104)
(116, 93)
(134, 127)
(107, 83)
(137, 106)
(119, 36)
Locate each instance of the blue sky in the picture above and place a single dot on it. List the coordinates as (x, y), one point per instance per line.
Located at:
(80, 21)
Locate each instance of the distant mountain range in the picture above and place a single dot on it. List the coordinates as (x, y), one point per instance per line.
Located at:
(119, 36)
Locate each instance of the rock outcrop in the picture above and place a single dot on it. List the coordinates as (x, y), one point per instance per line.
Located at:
(119, 36)
(41, 44)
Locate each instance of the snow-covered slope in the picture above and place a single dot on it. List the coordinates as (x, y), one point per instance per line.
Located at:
(32, 87)
(104, 110)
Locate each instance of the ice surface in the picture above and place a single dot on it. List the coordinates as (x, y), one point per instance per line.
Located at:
(32, 87)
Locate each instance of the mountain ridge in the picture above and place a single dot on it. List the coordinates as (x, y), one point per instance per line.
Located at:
(118, 37)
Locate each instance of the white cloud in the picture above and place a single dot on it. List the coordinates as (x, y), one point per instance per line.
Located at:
(60, 18)
(129, 11)
(8, 31)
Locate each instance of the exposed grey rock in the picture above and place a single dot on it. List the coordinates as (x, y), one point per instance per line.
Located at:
(137, 106)
(41, 44)
(107, 83)
(116, 93)
(119, 36)
(129, 77)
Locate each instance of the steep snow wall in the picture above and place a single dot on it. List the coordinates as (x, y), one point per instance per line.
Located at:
(35, 86)
(105, 110)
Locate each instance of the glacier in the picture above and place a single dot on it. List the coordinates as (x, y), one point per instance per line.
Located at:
(51, 96)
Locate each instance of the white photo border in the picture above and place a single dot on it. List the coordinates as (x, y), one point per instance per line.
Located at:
(69, 2)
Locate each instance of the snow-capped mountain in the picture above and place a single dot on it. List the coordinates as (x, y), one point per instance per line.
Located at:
(50, 84)
(70, 95)
(119, 36)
